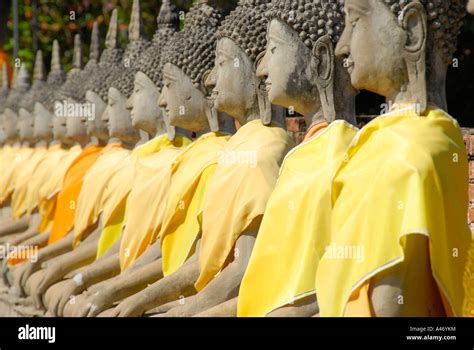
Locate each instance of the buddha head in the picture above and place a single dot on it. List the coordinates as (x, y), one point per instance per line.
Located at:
(143, 102)
(31, 129)
(299, 65)
(187, 61)
(400, 49)
(97, 86)
(470, 7)
(116, 113)
(12, 104)
(43, 105)
(233, 81)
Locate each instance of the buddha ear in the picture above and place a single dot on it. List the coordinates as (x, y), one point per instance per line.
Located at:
(323, 54)
(264, 105)
(211, 112)
(413, 20)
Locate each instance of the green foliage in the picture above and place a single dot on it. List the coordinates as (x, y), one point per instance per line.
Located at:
(61, 20)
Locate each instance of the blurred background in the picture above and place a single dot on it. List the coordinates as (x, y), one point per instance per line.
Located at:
(39, 22)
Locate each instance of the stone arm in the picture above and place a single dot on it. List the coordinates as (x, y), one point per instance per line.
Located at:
(84, 254)
(22, 272)
(59, 294)
(16, 239)
(107, 266)
(225, 286)
(123, 286)
(37, 240)
(15, 226)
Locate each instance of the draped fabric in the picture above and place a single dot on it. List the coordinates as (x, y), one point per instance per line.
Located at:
(190, 173)
(405, 174)
(296, 225)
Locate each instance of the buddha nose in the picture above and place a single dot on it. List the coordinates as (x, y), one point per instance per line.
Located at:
(129, 103)
(162, 99)
(105, 115)
(342, 47)
(210, 81)
(262, 68)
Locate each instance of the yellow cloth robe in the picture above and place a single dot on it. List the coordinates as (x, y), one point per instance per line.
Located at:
(405, 174)
(22, 180)
(42, 174)
(114, 208)
(12, 164)
(66, 202)
(244, 179)
(48, 193)
(296, 225)
(190, 174)
(96, 180)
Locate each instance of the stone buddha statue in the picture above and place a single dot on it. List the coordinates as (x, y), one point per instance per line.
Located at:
(145, 116)
(228, 233)
(122, 88)
(19, 88)
(148, 82)
(301, 41)
(400, 50)
(105, 72)
(10, 120)
(117, 118)
(59, 89)
(184, 99)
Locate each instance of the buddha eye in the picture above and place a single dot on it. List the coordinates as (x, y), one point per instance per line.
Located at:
(272, 50)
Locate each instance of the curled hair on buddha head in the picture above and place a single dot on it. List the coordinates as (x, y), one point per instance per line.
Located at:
(311, 19)
(193, 49)
(445, 19)
(247, 26)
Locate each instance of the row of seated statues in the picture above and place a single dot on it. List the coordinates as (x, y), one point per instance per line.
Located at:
(159, 180)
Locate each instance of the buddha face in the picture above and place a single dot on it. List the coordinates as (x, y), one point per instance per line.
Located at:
(117, 117)
(42, 122)
(58, 125)
(470, 7)
(143, 104)
(184, 103)
(76, 129)
(9, 123)
(372, 43)
(233, 81)
(26, 125)
(287, 69)
(95, 125)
